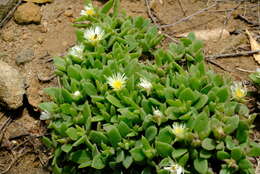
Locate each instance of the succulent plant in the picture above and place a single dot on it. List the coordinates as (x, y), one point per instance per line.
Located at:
(117, 114)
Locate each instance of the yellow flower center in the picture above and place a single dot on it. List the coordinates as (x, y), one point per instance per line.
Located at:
(90, 12)
(239, 93)
(174, 167)
(178, 131)
(117, 84)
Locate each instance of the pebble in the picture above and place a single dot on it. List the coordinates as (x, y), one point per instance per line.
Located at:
(24, 56)
(11, 87)
(68, 13)
(40, 40)
(8, 35)
(28, 13)
(39, 1)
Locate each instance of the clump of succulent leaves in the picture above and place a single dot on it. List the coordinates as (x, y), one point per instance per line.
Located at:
(117, 113)
(255, 77)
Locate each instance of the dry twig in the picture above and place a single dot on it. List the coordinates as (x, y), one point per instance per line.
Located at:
(246, 53)
(45, 79)
(188, 17)
(244, 70)
(21, 153)
(217, 65)
(11, 12)
(182, 9)
(243, 18)
(150, 13)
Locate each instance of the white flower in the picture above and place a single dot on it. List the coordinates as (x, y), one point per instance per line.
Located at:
(88, 11)
(145, 84)
(77, 51)
(76, 94)
(94, 34)
(179, 130)
(45, 115)
(157, 113)
(175, 169)
(238, 90)
(117, 81)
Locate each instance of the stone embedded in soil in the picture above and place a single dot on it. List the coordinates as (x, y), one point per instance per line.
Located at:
(7, 35)
(24, 56)
(5, 6)
(39, 1)
(11, 87)
(28, 13)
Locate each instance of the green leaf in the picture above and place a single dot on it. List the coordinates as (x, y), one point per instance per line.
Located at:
(55, 94)
(201, 125)
(137, 154)
(85, 164)
(113, 100)
(242, 131)
(165, 135)
(231, 124)
(66, 95)
(59, 63)
(89, 88)
(221, 155)
(151, 132)
(47, 142)
(237, 153)
(120, 156)
(127, 162)
(114, 136)
(97, 162)
(254, 151)
(229, 142)
(201, 165)
(72, 133)
(98, 137)
(164, 149)
(116, 7)
(66, 147)
(184, 159)
(188, 95)
(223, 94)
(205, 154)
(245, 164)
(48, 106)
(178, 152)
(79, 156)
(107, 6)
(208, 144)
(74, 72)
(202, 102)
(124, 128)
(80, 141)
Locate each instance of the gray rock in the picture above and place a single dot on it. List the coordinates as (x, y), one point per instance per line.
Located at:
(24, 56)
(11, 87)
(5, 6)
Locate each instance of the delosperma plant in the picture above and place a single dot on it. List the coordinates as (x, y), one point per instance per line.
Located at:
(117, 113)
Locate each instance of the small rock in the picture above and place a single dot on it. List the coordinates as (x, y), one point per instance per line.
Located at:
(39, 1)
(40, 40)
(68, 13)
(28, 13)
(24, 56)
(11, 87)
(8, 36)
